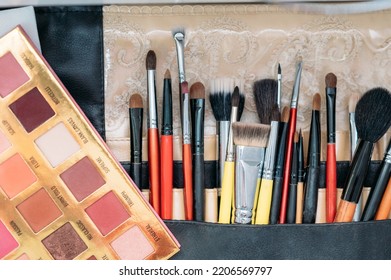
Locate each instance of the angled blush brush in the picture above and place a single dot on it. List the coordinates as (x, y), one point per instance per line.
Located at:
(331, 160)
(373, 119)
(166, 145)
(153, 134)
(197, 102)
(290, 136)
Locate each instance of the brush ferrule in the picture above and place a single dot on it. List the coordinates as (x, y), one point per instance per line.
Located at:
(300, 155)
(230, 154)
(353, 134)
(198, 114)
(223, 142)
(152, 104)
(314, 140)
(167, 108)
(180, 48)
(271, 150)
(279, 77)
(247, 165)
(186, 120)
(296, 87)
(331, 99)
(136, 122)
(387, 156)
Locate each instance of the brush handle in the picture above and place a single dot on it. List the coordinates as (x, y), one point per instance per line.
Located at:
(288, 164)
(188, 181)
(199, 187)
(385, 205)
(291, 209)
(276, 200)
(264, 202)
(331, 183)
(167, 172)
(299, 203)
(311, 195)
(154, 168)
(345, 211)
(227, 190)
(136, 173)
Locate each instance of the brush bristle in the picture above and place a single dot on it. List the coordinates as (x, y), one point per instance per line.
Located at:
(373, 114)
(353, 102)
(285, 114)
(167, 75)
(275, 114)
(331, 80)
(184, 87)
(316, 102)
(265, 95)
(220, 98)
(136, 101)
(279, 68)
(197, 91)
(236, 97)
(151, 60)
(250, 134)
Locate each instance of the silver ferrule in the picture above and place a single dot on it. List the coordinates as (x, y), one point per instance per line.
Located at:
(279, 77)
(296, 87)
(230, 154)
(271, 150)
(186, 119)
(247, 164)
(353, 134)
(180, 49)
(223, 142)
(152, 106)
(387, 156)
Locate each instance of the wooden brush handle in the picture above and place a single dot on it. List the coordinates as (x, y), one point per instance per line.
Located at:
(385, 205)
(154, 168)
(188, 181)
(331, 183)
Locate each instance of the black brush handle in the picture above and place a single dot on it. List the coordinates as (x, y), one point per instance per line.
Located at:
(136, 174)
(276, 200)
(311, 195)
(330, 107)
(376, 193)
(199, 186)
(292, 200)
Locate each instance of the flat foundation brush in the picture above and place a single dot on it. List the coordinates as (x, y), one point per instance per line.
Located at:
(373, 119)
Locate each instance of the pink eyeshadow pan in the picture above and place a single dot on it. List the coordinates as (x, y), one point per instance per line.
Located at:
(39, 210)
(7, 241)
(12, 75)
(32, 110)
(4, 143)
(132, 245)
(107, 213)
(82, 178)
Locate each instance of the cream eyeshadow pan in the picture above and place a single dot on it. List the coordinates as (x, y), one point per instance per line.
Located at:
(63, 194)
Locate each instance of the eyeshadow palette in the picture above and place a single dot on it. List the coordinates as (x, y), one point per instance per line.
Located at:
(63, 196)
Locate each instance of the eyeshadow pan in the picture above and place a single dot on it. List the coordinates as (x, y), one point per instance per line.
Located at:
(7, 241)
(57, 144)
(132, 245)
(39, 210)
(15, 176)
(12, 75)
(64, 243)
(32, 110)
(107, 213)
(23, 257)
(82, 178)
(4, 143)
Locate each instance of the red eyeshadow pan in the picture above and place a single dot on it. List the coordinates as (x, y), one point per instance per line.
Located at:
(82, 178)
(12, 75)
(32, 110)
(107, 213)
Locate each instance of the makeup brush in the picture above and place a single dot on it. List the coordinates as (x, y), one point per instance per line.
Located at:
(279, 78)
(265, 95)
(228, 181)
(220, 100)
(300, 180)
(289, 148)
(385, 205)
(187, 152)
(377, 191)
(373, 119)
(353, 144)
(250, 141)
(266, 183)
(136, 134)
(313, 164)
(153, 134)
(331, 160)
(292, 192)
(179, 39)
(279, 167)
(166, 144)
(197, 102)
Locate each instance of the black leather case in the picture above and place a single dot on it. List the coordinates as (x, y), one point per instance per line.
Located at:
(72, 42)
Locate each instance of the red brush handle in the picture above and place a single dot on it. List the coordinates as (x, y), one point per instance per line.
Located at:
(331, 183)
(187, 181)
(166, 168)
(288, 164)
(154, 172)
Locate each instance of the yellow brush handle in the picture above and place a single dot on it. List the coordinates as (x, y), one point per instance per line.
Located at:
(227, 189)
(264, 202)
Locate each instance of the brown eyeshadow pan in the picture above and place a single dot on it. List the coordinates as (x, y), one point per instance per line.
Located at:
(64, 243)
